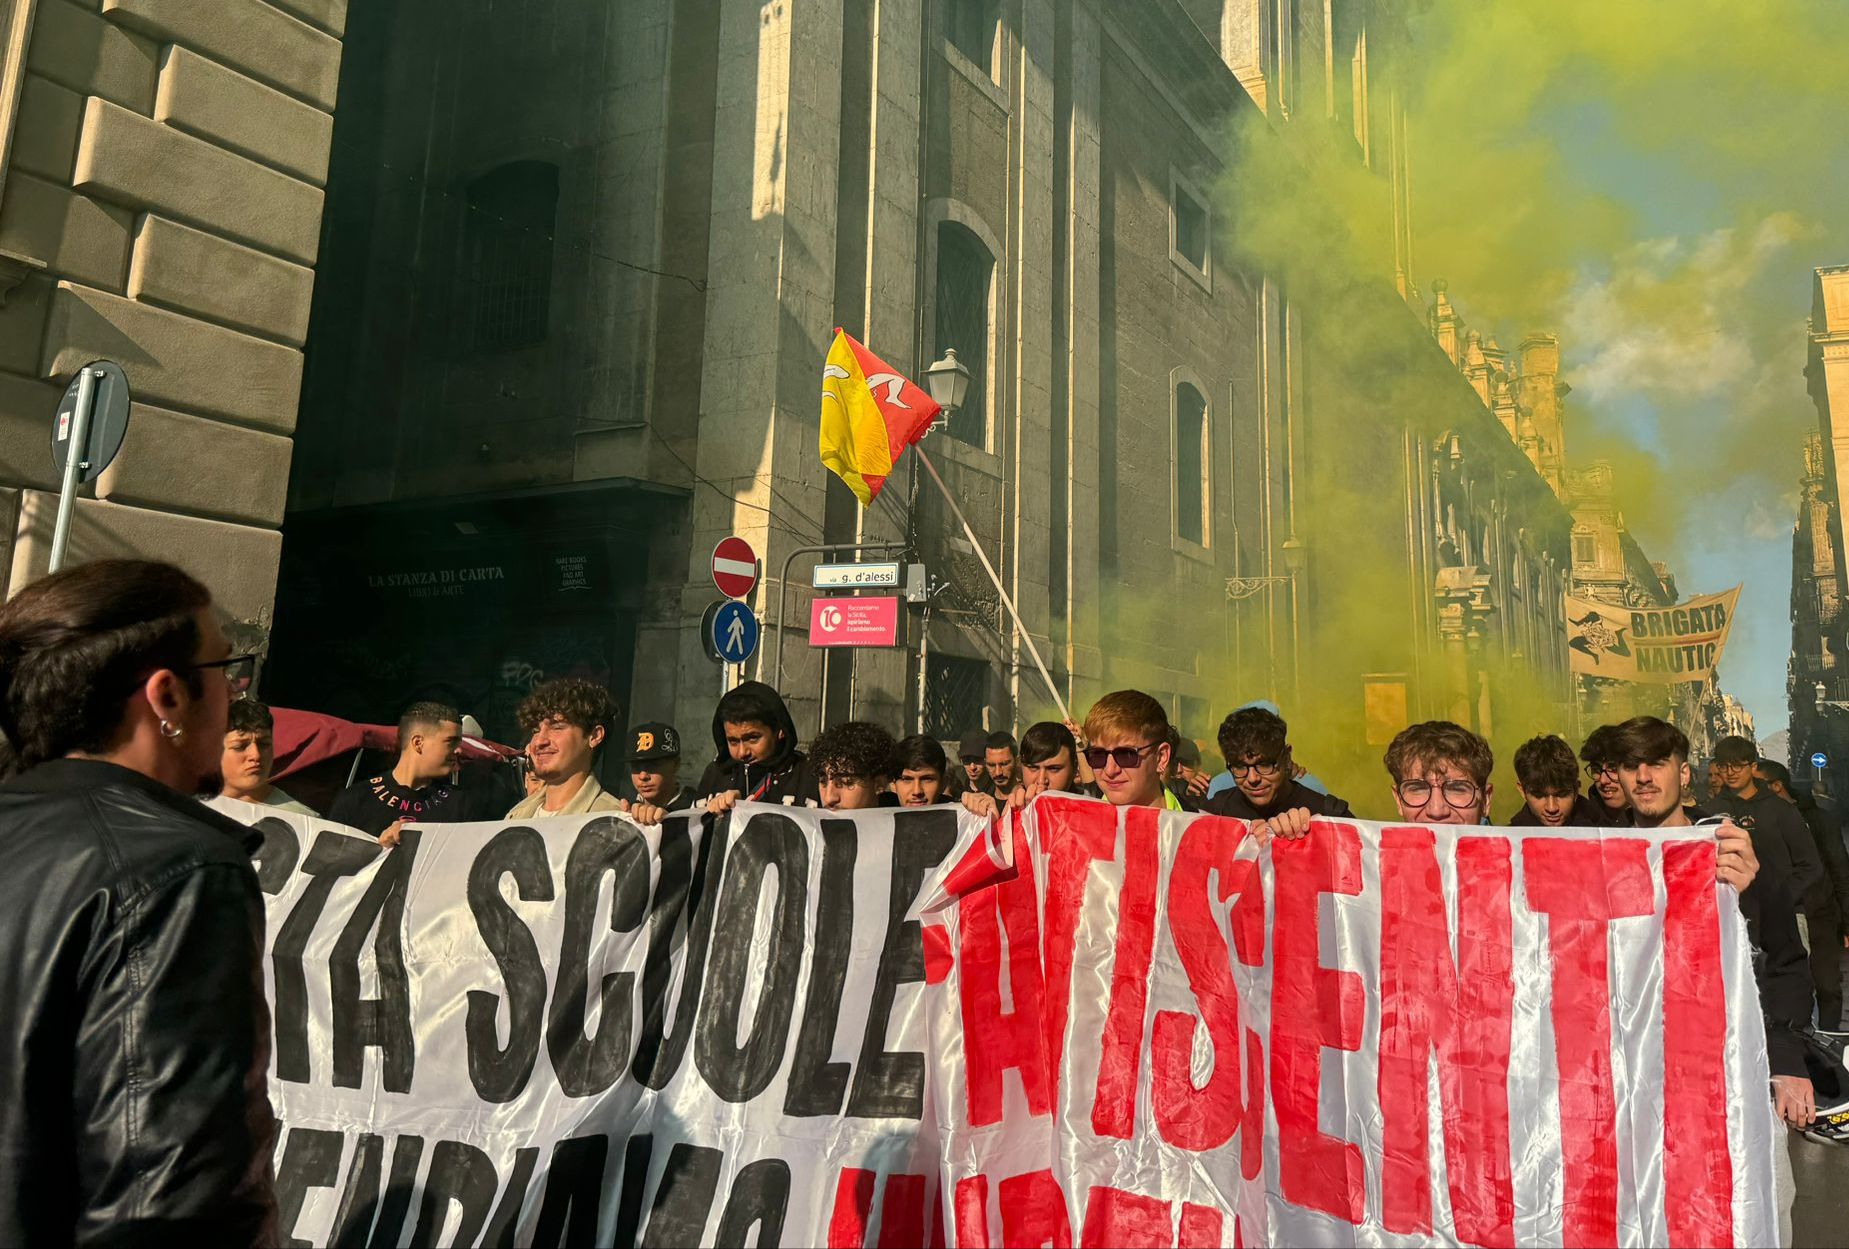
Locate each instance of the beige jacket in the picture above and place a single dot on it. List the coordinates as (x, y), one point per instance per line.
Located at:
(590, 798)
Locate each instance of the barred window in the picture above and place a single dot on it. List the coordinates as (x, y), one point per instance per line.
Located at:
(509, 234)
(956, 691)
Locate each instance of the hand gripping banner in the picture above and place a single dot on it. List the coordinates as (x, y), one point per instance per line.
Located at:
(1150, 1031)
(581, 1031)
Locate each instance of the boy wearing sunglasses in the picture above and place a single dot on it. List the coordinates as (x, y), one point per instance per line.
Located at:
(1255, 744)
(1128, 752)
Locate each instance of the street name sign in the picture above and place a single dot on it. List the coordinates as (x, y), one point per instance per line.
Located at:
(855, 576)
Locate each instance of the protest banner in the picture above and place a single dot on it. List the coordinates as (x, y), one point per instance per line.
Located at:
(582, 1031)
(1655, 645)
(1151, 1032)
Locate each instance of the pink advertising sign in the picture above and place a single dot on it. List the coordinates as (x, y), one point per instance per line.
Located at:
(854, 622)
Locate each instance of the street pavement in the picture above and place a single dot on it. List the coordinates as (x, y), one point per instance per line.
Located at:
(1820, 1216)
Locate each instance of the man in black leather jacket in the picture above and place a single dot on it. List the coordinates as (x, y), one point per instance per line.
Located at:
(134, 1033)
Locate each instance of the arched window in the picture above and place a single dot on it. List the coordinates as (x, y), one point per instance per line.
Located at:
(965, 274)
(1191, 492)
(970, 26)
(512, 213)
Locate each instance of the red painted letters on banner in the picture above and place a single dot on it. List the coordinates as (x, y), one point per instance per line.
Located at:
(1156, 1032)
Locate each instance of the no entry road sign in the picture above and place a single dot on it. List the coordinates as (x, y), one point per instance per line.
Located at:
(735, 567)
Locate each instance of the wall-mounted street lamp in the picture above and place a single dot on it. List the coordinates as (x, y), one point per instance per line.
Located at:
(1296, 557)
(947, 382)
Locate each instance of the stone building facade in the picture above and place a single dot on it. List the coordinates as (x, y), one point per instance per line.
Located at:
(162, 165)
(580, 274)
(1818, 681)
(1525, 391)
(553, 284)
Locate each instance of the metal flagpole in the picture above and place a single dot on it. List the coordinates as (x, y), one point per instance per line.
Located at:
(1019, 628)
(76, 461)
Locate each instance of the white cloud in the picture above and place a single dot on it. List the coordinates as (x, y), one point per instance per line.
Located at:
(1671, 320)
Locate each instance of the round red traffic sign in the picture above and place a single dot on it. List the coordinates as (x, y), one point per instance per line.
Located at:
(735, 567)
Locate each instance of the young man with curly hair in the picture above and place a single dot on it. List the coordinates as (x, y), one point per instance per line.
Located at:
(1606, 801)
(1255, 742)
(567, 721)
(852, 763)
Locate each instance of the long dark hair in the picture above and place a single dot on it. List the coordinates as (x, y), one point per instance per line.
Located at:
(74, 645)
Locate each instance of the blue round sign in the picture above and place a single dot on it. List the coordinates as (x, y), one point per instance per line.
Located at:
(1820, 760)
(733, 635)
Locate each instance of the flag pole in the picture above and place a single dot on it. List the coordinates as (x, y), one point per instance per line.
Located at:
(1019, 628)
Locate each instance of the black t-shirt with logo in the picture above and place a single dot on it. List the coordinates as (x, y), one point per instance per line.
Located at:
(372, 806)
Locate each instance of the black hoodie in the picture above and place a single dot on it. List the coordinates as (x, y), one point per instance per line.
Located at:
(1780, 967)
(783, 778)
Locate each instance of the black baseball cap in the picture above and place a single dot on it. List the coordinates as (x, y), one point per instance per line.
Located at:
(975, 744)
(1187, 752)
(653, 740)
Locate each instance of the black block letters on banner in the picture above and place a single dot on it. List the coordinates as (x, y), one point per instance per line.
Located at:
(817, 1085)
(500, 1074)
(739, 1073)
(585, 1065)
(593, 1000)
(334, 855)
(384, 1021)
(886, 1084)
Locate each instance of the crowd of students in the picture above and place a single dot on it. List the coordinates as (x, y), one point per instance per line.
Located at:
(133, 921)
(1787, 858)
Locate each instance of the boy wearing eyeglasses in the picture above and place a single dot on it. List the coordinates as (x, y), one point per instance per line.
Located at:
(1255, 743)
(1780, 839)
(1128, 752)
(1606, 800)
(1440, 774)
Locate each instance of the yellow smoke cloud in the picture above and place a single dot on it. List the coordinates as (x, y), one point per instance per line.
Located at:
(1653, 181)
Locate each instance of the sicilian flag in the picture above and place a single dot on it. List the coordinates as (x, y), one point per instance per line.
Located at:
(870, 415)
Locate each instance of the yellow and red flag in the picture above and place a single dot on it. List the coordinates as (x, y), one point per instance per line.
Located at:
(870, 415)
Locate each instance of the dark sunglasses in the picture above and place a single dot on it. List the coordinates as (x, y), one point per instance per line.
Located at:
(239, 670)
(970, 761)
(1127, 757)
(1264, 767)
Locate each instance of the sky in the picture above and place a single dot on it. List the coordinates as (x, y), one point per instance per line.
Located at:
(1666, 390)
(1655, 182)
